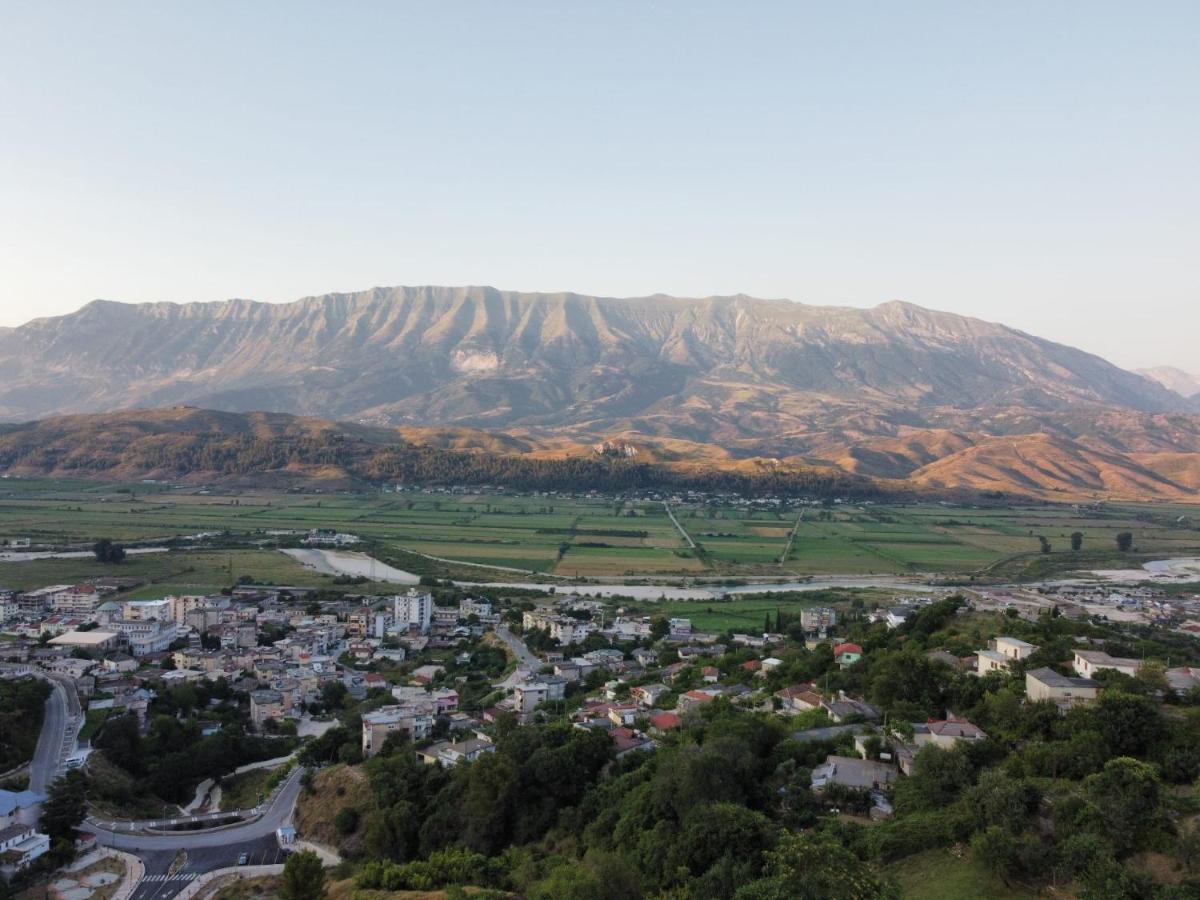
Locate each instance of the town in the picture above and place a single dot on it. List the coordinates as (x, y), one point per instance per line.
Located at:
(445, 672)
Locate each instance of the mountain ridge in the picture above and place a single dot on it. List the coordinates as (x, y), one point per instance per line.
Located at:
(884, 392)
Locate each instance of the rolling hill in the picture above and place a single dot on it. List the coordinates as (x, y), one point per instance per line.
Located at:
(895, 393)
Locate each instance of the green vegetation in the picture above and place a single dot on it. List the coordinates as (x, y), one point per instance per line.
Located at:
(244, 791)
(234, 534)
(22, 707)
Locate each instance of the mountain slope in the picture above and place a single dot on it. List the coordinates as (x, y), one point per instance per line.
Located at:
(1177, 380)
(698, 369)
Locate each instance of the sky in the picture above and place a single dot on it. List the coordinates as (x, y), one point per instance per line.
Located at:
(1026, 162)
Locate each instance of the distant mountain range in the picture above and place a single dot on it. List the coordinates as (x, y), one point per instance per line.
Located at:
(897, 392)
(1177, 380)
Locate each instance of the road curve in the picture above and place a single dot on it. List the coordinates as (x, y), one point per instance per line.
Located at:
(279, 813)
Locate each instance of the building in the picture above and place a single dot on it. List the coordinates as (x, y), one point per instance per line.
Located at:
(1001, 653)
(945, 733)
(145, 636)
(144, 610)
(1046, 684)
(20, 845)
(38, 602)
(818, 619)
(563, 629)
(97, 641)
(897, 616)
(853, 772)
(448, 754)
(80, 600)
(19, 807)
(1088, 662)
(266, 704)
(413, 610)
(846, 655)
(415, 719)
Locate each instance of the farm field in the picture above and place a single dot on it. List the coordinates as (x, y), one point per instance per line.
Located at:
(564, 536)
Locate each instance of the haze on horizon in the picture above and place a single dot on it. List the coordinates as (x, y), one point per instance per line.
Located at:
(1027, 164)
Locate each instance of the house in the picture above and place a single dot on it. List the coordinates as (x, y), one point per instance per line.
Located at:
(846, 655)
(1046, 684)
(843, 707)
(448, 754)
(265, 704)
(694, 700)
(20, 845)
(945, 733)
(710, 674)
(119, 662)
(853, 772)
(797, 699)
(663, 722)
(897, 616)
(1001, 653)
(1183, 679)
(627, 740)
(648, 695)
(1088, 662)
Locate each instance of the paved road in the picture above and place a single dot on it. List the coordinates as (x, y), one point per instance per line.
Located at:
(48, 757)
(160, 883)
(527, 663)
(279, 813)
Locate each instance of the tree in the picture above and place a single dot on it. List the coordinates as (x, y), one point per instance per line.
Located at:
(1125, 801)
(1045, 542)
(1125, 541)
(108, 552)
(65, 806)
(999, 800)
(1076, 541)
(805, 868)
(303, 877)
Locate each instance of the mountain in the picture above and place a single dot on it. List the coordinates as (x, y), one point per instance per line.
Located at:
(1174, 379)
(896, 392)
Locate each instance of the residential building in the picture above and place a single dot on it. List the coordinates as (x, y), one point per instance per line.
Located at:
(415, 719)
(144, 610)
(1001, 653)
(945, 733)
(1088, 662)
(853, 772)
(413, 610)
(80, 600)
(818, 619)
(20, 845)
(266, 704)
(1046, 684)
(846, 655)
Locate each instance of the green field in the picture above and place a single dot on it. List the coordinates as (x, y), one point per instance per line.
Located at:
(941, 875)
(584, 537)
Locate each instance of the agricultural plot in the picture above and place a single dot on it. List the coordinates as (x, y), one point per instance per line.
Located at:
(564, 536)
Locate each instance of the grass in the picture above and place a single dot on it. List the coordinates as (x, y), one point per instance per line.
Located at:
(244, 791)
(940, 875)
(605, 538)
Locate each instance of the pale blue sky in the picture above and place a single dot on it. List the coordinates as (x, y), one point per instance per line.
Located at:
(1028, 162)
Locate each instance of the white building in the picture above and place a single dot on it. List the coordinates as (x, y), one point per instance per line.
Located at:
(416, 719)
(144, 610)
(21, 844)
(1089, 662)
(414, 609)
(1002, 652)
